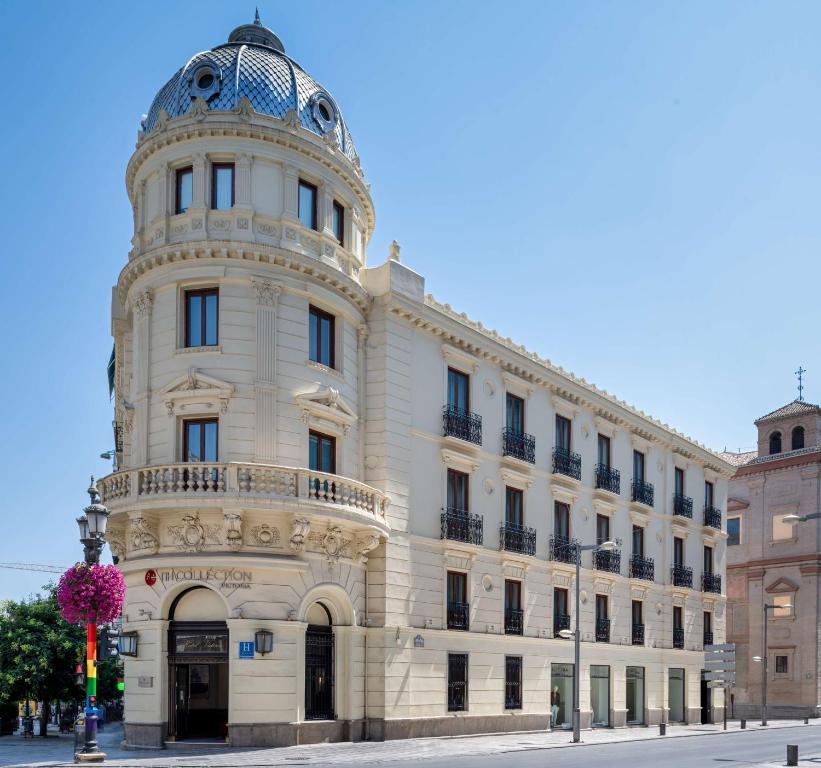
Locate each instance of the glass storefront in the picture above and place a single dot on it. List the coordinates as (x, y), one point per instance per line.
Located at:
(600, 695)
(635, 695)
(675, 695)
(561, 695)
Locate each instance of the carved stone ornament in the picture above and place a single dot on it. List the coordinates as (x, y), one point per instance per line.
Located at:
(199, 109)
(142, 303)
(192, 535)
(116, 541)
(331, 141)
(299, 531)
(142, 536)
(162, 121)
(264, 535)
(244, 109)
(332, 543)
(364, 544)
(233, 530)
(292, 119)
(266, 292)
(243, 223)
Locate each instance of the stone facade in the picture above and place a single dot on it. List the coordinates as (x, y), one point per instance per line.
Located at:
(774, 562)
(254, 538)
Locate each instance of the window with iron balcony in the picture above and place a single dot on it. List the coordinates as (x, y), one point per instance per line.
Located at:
(638, 634)
(560, 621)
(678, 637)
(607, 560)
(642, 568)
(457, 419)
(459, 525)
(519, 445)
(711, 582)
(563, 549)
(608, 479)
(682, 576)
(642, 492)
(602, 630)
(682, 505)
(712, 517)
(567, 463)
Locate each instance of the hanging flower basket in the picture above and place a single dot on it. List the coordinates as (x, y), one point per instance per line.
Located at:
(91, 594)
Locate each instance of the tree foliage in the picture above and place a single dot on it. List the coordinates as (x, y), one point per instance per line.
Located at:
(39, 650)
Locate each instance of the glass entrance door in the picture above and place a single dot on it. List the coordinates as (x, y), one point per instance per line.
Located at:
(319, 673)
(675, 695)
(635, 695)
(561, 695)
(600, 695)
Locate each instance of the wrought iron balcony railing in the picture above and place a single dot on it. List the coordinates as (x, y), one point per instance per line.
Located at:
(642, 568)
(514, 621)
(607, 560)
(711, 582)
(462, 424)
(567, 463)
(638, 634)
(602, 630)
(560, 621)
(563, 549)
(682, 576)
(516, 538)
(712, 517)
(458, 525)
(459, 616)
(642, 492)
(682, 505)
(608, 479)
(519, 445)
(678, 637)
(708, 638)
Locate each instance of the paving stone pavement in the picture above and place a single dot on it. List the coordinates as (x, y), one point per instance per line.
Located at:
(58, 751)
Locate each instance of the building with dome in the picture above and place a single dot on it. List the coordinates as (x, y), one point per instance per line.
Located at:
(343, 509)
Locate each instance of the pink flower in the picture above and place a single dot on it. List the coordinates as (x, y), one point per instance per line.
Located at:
(91, 594)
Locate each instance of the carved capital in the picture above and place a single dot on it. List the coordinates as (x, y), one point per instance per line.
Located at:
(142, 304)
(267, 293)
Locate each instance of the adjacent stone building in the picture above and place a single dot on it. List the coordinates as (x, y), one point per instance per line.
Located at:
(771, 562)
(344, 510)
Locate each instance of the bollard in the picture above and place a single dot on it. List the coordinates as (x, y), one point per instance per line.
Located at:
(662, 729)
(792, 754)
(806, 721)
(743, 723)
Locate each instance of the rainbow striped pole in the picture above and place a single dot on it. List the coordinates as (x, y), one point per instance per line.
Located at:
(91, 689)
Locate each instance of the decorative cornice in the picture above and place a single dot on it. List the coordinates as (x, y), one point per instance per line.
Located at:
(202, 250)
(516, 359)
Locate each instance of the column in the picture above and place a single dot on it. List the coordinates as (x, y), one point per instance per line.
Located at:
(267, 295)
(142, 305)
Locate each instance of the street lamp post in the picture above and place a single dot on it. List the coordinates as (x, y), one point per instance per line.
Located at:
(607, 546)
(92, 525)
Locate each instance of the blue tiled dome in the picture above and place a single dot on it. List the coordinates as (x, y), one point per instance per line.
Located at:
(252, 64)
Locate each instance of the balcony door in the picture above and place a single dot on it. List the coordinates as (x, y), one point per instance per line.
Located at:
(562, 433)
(638, 541)
(604, 451)
(515, 414)
(561, 520)
(458, 390)
(678, 551)
(457, 492)
(638, 466)
(514, 507)
(602, 529)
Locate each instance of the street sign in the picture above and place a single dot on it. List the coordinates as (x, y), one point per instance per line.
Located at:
(719, 647)
(715, 666)
(728, 676)
(246, 649)
(719, 684)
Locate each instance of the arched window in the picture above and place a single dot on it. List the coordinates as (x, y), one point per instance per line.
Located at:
(775, 443)
(798, 438)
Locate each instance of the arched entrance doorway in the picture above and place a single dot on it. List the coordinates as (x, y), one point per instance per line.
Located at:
(197, 666)
(319, 664)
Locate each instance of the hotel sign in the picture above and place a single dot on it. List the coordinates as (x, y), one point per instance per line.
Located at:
(222, 578)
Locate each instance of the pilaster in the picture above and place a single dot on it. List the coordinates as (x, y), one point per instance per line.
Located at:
(267, 297)
(142, 305)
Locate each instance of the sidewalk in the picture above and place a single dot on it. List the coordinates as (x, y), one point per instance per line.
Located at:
(59, 751)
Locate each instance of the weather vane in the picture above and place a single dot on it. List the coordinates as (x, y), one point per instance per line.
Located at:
(800, 373)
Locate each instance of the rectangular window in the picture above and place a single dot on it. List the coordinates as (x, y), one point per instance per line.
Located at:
(457, 492)
(339, 223)
(638, 541)
(781, 665)
(457, 682)
(200, 440)
(514, 507)
(321, 453)
(307, 204)
(201, 314)
(458, 390)
(222, 186)
(457, 607)
(679, 481)
(709, 494)
(733, 531)
(604, 451)
(515, 415)
(184, 189)
(781, 610)
(708, 623)
(638, 613)
(321, 333)
(678, 618)
(708, 559)
(678, 550)
(562, 433)
(513, 596)
(561, 519)
(560, 606)
(601, 608)
(602, 529)
(513, 682)
(638, 466)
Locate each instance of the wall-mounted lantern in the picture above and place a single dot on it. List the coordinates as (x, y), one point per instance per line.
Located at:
(264, 641)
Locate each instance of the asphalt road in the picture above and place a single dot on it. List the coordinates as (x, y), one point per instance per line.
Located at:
(734, 750)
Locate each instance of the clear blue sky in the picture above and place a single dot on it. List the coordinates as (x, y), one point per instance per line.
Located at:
(629, 188)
